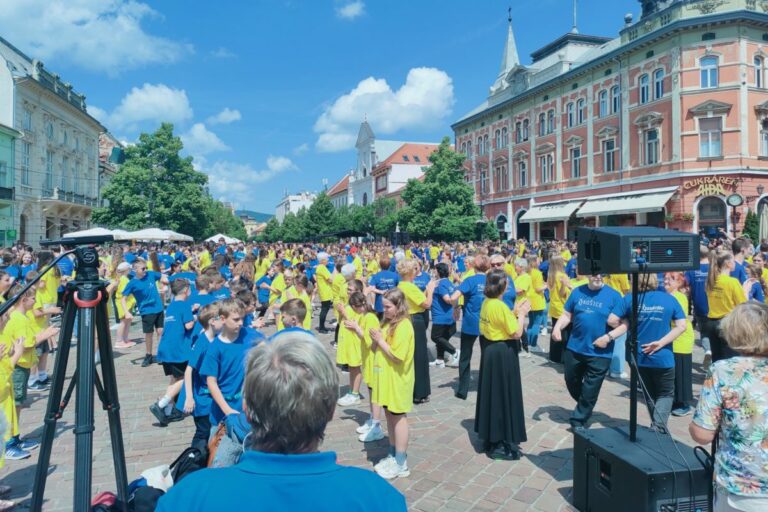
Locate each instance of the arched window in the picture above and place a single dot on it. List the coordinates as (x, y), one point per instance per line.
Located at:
(764, 138)
(581, 110)
(480, 146)
(570, 115)
(712, 214)
(709, 72)
(644, 88)
(542, 124)
(469, 149)
(615, 99)
(658, 84)
(526, 129)
(365, 198)
(464, 148)
(518, 132)
(486, 145)
(602, 100)
(759, 71)
(551, 121)
(497, 141)
(504, 137)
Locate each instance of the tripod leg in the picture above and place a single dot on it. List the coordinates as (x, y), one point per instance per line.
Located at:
(55, 406)
(84, 424)
(109, 399)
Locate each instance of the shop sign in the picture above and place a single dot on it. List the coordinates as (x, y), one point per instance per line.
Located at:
(711, 185)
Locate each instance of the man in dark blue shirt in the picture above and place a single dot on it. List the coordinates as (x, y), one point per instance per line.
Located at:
(290, 392)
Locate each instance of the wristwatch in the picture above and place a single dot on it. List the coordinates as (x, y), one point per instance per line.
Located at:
(610, 338)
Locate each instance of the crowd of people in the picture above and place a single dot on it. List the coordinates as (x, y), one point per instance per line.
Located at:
(203, 310)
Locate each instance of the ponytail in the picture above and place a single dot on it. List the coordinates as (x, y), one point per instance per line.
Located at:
(717, 261)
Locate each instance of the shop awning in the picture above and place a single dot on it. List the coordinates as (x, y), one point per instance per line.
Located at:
(629, 203)
(548, 212)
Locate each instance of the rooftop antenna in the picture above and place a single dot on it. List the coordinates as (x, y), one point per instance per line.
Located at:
(574, 29)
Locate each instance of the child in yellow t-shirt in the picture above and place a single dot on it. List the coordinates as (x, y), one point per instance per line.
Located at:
(40, 314)
(361, 326)
(348, 350)
(10, 352)
(393, 366)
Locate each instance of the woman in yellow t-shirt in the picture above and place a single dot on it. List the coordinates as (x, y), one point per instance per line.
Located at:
(419, 303)
(559, 288)
(348, 351)
(366, 320)
(682, 347)
(118, 284)
(724, 293)
(394, 376)
(537, 318)
(499, 415)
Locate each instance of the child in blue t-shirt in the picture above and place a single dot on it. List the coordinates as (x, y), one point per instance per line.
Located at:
(195, 398)
(143, 287)
(174, 350)
(224, 363)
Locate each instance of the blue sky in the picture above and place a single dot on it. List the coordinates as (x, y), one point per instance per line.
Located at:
(268, 94)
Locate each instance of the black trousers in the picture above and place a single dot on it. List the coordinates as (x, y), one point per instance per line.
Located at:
(556, 347)
(325, 307)
(660, 383)
(263, 309)
(202, 432)
(467, 343)
(584, 377)
(421, 386)
(441, 336)
(720, 348)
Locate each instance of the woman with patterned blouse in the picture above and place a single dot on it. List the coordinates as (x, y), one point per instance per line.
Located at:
(734, 406)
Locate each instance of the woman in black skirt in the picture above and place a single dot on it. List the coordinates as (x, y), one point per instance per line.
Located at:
(499, 414)
(418, 302)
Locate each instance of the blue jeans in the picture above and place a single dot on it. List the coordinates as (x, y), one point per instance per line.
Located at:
(619, 354)
(536, 320)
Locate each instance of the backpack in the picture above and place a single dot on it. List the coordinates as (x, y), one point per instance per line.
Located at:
(188, 462)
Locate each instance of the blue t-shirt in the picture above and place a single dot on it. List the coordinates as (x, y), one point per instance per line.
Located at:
(384, 280)
(589, 311)
(263, 293)
(222, 293)
(461, 267)
(756, 293)
(571, 267)
(200, 393)
(697, 281)
(66, 266)
(442, 312)
(422, 280)
(472, 288)
(191, 278)
(226, 362)
(129, 257)
(26, 268)
(238, 255)
(176, 343)
(657, 311)
(287, 330)
(166, 260)
(272, 480)
(740, 272)
(145, 292)
(510, 294)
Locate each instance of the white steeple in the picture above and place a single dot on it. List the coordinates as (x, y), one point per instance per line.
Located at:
(510, 58)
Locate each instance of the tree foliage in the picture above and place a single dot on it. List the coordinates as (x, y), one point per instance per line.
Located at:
(157, 187)
(442, 206)
(752, 226)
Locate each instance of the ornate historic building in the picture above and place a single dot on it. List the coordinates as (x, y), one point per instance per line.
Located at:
(660, 125)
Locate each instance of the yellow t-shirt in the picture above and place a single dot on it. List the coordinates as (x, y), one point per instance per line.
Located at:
(358, 263)
(349, 350)
(497, 321)
(339, 288)
(538, 302)
(40, 321)
(367, 322)
(395, 379)
(261, 268)
(413, 297)
(566, 254)
(523, 284)
(619, 282)
(130, 300)
(205, 259)
(279, 283)
(323, 278)
(726, 295)
(51, 290)
(308, 304)
(509, 268)
(434, 252)
(372, 266)
(556, 298)
(684, 343)
(21, 326)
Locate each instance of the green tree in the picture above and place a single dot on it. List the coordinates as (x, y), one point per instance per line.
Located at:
(321, 215)
(385, 216)
(157, 187)
(442, 206)
(272, 232)
(291, 228)
(752, 226)
(361, 218)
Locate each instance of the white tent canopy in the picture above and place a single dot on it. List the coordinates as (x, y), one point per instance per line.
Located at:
(178, 237)
(227, 239)
(148, 234)
(142, 234)
(88, 232)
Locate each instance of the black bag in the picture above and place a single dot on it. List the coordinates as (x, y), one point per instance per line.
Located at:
(188, 462)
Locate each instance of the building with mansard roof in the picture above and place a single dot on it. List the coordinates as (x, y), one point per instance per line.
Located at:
(664, 125)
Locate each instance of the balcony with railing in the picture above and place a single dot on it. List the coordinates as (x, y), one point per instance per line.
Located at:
(63, 196)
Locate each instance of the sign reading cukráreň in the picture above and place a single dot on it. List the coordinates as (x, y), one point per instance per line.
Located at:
(711, 185)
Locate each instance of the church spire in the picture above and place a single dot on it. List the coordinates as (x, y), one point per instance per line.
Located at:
(510, 58)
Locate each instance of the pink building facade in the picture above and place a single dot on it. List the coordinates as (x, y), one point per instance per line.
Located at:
(659, 126)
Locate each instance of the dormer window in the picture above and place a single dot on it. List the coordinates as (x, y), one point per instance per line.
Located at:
(405, 158)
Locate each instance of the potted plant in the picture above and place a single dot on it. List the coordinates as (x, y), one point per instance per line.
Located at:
(688, 217)
(668, 217)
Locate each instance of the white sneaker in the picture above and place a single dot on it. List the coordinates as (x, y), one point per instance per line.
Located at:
(389, 459)
(365, 427)
(525, 353)
(374, 434)
(622, 375)
(348, 399)
(454, 361)
(394, 470)
(437, 363)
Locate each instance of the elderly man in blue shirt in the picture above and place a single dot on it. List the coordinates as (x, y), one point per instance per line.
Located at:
(289, 397)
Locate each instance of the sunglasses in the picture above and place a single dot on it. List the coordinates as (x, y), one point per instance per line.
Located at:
(497, 264)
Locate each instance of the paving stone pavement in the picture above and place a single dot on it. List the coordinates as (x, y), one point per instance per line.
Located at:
(448, 470)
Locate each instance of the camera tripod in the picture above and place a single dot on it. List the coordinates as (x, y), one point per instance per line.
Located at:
(85, 298)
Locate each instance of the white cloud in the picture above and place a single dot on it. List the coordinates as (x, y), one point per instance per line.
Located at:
(226, 116)
(150, 102)
(423, 102)
(201, 141)
(98, 35)
(222, 53)
(238, 183)
(99, 113)
(351, 10)
(300, 150)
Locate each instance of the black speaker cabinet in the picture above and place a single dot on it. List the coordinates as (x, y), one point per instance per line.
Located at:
(624, 250)
(611, 473)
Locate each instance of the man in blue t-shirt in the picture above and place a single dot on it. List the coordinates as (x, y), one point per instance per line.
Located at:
(290, 394)
(143, 287)
(587, 357)
(443, 322)
(380, 282)
(697, 284)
